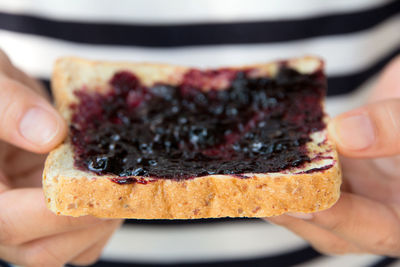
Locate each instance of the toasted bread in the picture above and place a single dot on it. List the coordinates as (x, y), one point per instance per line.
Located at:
(71, 191)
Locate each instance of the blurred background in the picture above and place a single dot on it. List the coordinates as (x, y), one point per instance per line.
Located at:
(355, 38)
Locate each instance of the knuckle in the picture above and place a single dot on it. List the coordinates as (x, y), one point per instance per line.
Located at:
(5, 63)
(4, 59)
(11, 103)
(88, 259)
(392, 110)
(113, 224)
(8, 93)
(8, 117)
(336, 225)
(387, 243)
(41, 256)
(7, 237)
(282, 220)
(2, 54)
(336, 248)
(71, 222)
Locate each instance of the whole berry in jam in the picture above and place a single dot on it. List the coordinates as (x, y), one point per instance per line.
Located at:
(254, 125)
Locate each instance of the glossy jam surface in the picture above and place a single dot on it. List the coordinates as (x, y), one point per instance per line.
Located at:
(256, 125)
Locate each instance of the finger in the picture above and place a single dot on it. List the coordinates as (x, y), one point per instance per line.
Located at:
(30, 179)
(27, 120)
(388, 85)
(369, 131)
(24, 167)
(35, 85)
(8, 69)
(56, 250)
(367, 224)
(24, 217)
(92, 254)
(4, 184)
(5, 64)
(321, 239)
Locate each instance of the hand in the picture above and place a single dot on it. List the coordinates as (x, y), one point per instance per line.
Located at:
(31, 235)
(366, 219)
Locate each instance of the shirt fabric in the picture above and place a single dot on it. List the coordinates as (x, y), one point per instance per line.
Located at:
(355, 38)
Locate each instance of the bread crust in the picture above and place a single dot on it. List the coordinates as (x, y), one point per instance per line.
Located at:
(205, 197)
(76, 193)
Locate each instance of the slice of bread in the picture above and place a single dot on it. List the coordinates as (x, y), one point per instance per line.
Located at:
(73, 192)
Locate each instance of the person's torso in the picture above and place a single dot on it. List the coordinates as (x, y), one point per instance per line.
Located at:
(355, 38)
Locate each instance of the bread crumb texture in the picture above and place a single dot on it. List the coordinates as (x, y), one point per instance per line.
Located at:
(260, 195)
(76, 193)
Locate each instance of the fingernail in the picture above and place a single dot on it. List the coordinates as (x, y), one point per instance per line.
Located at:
(39, 126)
(354, 132)
(300, 215)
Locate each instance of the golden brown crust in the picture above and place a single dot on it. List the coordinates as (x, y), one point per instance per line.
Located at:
(76, 193)
(207, 197)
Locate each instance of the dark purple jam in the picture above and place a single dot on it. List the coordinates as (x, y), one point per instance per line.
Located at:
(257, 125)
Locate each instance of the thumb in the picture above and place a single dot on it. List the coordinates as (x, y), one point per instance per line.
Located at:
(27, 120)
(370, 131)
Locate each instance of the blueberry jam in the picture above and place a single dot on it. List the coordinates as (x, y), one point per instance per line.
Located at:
(256, 125)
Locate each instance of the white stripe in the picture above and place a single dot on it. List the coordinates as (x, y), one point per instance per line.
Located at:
(338, 104)
(169, 244)
(178, 11)
(344, 54)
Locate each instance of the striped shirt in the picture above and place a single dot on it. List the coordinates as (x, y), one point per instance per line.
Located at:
(356, 39)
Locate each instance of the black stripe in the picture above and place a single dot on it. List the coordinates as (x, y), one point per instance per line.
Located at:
(281, 260)
(191, 222)
(346, 83)
(201, 33)
(384, 262)
(47, 85)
